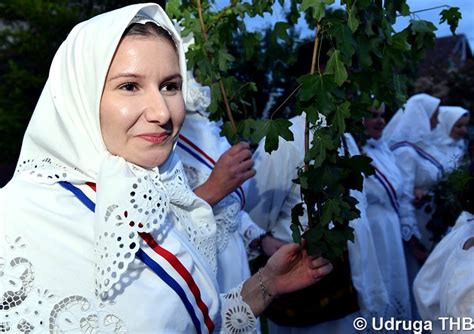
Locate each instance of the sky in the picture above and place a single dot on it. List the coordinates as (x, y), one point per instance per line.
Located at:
(466, 24)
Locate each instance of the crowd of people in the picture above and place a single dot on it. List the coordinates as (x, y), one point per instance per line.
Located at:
(128, 212)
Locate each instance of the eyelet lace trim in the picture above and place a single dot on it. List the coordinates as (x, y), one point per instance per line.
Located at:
(226, 211)
(153, 201)
(32, 308)
(237, 317)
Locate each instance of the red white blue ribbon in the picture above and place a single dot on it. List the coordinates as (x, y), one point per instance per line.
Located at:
(389, 189)
(197, 153)
(165, 265)
(422, 153)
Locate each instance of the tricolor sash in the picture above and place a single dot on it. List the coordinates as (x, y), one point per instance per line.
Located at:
(197, 153)
(422, 153)
(163, 263)
(390, 190)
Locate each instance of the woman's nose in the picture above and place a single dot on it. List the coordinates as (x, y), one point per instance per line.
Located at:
(156, 109)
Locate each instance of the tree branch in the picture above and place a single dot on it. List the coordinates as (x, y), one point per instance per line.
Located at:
(221, 82)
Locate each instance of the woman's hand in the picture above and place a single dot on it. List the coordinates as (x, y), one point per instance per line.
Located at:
(418, 250)
(233, 168)
(291, 269)
(420, 198)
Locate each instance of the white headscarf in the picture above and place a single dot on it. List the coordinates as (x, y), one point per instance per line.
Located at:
(413, 122)
(448, 116)
(63, 142)
(448, 151)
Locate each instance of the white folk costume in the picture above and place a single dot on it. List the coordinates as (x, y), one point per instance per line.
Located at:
(272, 195)
(136, 256)
(382, 191)
(199, 147)
(409, 136)
(444, 287)
(449, 151)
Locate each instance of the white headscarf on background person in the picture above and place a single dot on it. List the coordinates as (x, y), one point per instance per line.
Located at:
(198, 97)
(412, 123)
(449, 150)
(63, 142)
(448, 116)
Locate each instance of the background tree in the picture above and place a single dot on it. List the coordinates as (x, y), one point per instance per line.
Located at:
(368, 63)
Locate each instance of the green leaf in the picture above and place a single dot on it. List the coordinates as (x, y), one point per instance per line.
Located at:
(400, 41)
(342, 112)
(336, 66)
(422, 26)
(329, 210)
(322, 143)
(246, 127)
(281, 30)
(352, 20)
(272, 130)
(224, 58)
(452, 16)
(296, 227)
(344, 39)
(318, 86)
(228, 132)
(314, 240)
(318, 6)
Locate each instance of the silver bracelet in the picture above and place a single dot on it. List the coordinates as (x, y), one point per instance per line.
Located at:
(262, 287)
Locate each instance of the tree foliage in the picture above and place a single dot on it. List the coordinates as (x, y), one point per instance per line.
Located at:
(368, 63)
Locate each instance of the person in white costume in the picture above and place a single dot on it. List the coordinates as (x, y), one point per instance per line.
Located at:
(444, 287)
(216, 171)
(99, 230)
(409, 136)
(448, 136)
(382, 190)
(272, 195)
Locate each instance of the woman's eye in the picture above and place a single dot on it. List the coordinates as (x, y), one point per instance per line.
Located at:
(171, 86)
(129, 86)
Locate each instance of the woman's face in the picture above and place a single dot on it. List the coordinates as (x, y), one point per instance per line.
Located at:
(434, 119)
(459, 129)
(374, 126)
(142, 107)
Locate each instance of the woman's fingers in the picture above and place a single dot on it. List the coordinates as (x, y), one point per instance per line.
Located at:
(318, 262)
(322, 271)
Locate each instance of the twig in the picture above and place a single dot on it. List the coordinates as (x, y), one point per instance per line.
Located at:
(426, 9)
(285, 101)
(310, 207)
(221, 82)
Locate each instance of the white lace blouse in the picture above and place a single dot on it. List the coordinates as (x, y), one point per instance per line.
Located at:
(48, 278)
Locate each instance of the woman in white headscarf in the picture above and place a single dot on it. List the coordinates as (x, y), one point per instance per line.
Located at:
(99, 230)
(382, 190)
(409, 136)
(449, 136)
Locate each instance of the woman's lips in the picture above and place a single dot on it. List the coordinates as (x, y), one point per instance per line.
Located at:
(155, 138)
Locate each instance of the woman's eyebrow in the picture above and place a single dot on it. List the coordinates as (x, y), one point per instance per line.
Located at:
(127, 75)
(173, 76)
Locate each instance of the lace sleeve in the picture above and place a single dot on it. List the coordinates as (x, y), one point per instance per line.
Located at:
(236, 315)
